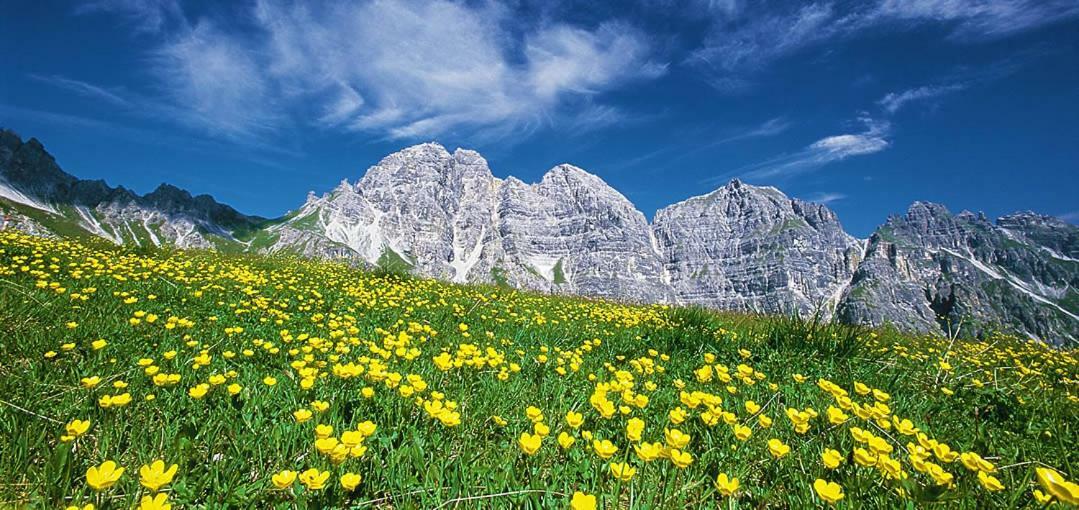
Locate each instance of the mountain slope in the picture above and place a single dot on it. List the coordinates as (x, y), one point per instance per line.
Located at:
(39, 197)
(931, 270)
(741, 247)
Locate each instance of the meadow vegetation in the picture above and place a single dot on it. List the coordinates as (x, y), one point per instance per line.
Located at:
(146, 378)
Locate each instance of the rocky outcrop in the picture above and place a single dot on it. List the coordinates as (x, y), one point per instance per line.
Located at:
(936, 272)
(574, 230)
(752, 248)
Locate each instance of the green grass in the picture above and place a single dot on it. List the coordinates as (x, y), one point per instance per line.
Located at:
(309, 222)
(262, 240)
(252, 230)
(55, 223)
(248, 317)
(393, 262)
(789, 224)
(498, 275)
(1070, 302)
(558, 275)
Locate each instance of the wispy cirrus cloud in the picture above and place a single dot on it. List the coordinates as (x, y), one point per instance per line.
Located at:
(770, 127)
(752, 43)
(738, 46)
(958, 80)
(142, 15)
(894, 101)
(212, 80)
(678, 152)
(84, 89)
(61, 119)
(146, 136)
(872, 139)
(825, 197)
(157, 109)
(394, 68)
(975, 19)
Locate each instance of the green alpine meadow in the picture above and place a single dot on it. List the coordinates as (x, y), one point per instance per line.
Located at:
(157, 378)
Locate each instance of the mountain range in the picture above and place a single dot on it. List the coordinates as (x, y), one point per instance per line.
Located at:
(741, 247)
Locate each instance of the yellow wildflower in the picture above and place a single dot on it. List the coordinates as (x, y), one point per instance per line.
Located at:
(725, 485)
(155, 476)
(623, 471)
(314, 479)
(830, 492)
(104, 476)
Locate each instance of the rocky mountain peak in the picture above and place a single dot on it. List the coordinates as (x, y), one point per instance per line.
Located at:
(739, 247)
(30, 167)
(818, 216)
(426, 149)
(468, 156)
(1057, 237)
(1032, 219)
(427, 163)
(933, 270)
(587, 190)
(166, 194)
(752, 248)
(170, 199)
(568, 172)
(924, 212)
(342, 187)
(747, 210)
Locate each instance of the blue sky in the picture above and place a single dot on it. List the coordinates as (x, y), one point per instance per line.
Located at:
(866, 106)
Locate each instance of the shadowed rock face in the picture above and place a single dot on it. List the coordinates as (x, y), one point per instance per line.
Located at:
(934, 271)
(40, 194)
(741, 247)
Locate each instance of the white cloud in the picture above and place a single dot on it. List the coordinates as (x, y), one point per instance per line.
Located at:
(562, 58)
(395, 68)
(691, 144)
(593, 117)
(894, 101)
(978, 19)
(770, 127)
(873, 139)
(825, 197)
(839, 147)
(144, 15)
(763, 33)
(84, 89)
(760, 40)
(216, 82)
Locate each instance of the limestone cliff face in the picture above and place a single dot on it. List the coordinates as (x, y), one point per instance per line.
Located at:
(574, 230)
(445, 215)
(752, 248)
